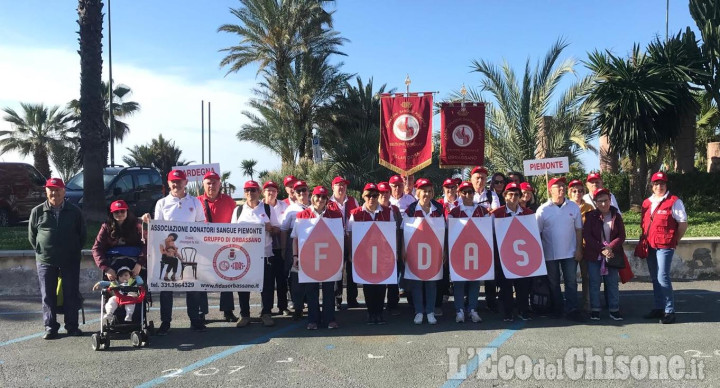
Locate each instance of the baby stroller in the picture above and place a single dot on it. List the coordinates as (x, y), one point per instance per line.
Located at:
(139, 328)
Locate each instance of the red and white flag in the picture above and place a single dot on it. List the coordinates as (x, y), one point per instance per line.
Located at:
(320, 249)
(374, 259)
(521, 253)
(424, 244)
(462, 135)
(406, 132)
(470, 249)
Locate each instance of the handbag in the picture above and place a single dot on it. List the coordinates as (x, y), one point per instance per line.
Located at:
(642, 247)
(626, 273)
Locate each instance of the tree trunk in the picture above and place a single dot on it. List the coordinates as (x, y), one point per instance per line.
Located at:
(93, 130)
(638, 180)
(713, 157)
(609, 161)
(685, 144)
(40, 161)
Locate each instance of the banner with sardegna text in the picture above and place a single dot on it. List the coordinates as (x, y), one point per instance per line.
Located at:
(406, 132)
(470, 249)
(520, 247)
(374, 259)
(320, 249)
(462, 135)
(424, 244)
(196, 172)
(194, 256)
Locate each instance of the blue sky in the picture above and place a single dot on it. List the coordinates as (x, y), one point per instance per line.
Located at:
(168, 53)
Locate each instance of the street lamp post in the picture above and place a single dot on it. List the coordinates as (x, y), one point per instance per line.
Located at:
(110, 91)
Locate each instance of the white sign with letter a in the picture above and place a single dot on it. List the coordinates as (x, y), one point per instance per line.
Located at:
(520, 247)
(470, 249)
(320, 249)
(424, 244)
(374, 259)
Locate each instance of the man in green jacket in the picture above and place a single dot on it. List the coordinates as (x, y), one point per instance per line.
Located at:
(56, 230)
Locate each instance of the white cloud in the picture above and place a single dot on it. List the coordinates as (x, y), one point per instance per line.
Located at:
(170, 104)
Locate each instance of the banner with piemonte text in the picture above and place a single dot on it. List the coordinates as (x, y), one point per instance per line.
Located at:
(320, 249)
(374, 258)
(406, 132)
(462, 135)
(470, 249)
(193, 256)
(520, 247)
(424, 243)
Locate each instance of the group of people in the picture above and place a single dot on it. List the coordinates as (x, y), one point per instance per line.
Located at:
(585, 229)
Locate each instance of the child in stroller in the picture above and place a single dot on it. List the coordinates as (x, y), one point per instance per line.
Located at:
(124, 279)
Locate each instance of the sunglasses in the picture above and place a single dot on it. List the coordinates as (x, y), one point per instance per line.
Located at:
(301, 191)
(322, 197)
(603, 202)
(577, 191)
(372, 196)
(251, 190)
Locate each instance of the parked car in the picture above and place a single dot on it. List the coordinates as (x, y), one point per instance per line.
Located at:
(139, 186)
(22, 187)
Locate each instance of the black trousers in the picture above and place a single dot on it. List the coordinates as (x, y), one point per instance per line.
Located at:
(280, 278)
(374, 298)
(267, 294)
(352, 289)
(193, 301)
(522, 292)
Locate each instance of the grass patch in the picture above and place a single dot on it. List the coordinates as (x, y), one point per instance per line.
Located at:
(16, 237)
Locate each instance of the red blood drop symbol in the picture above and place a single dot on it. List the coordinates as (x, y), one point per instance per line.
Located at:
(471, 241)
(424, 238)
(322, 243)
(384, 256)
(520, 252)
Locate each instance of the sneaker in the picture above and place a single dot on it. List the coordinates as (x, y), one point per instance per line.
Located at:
(230, 317)
(431, 319)
(438, 312)
(668, 318)
(312, 326)
(50, 334)
(286, 313)
(75, 333)
(128, 318)
(508, 318)
(418, 319)
(525, 316)
(380, 320)
(108, 317)
(267, 320)
(654, 314)
(333, 325)
(595, 315)
(242, 322)
(460, 317)
(475, 317)
(616, 316)
(197, 326)
(163, 329)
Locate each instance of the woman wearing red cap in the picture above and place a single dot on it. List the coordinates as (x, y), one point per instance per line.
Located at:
(393, 290)
(121, 229)
(528, 196)
(318, 209)
(300, 202)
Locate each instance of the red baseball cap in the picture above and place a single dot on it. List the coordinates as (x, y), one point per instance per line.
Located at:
(457, 181)
(299, 184)
(211, 175)
(526, 187)
(177, 175)
(593, 176)
(118, 205)
(575, 182)
(449, 182)
(338, 180)
(465, 186)
(383, 187)
(370, 187)
(555, 181)
(251, 185)
(480, 170)
(512, 186)
(601, 191)
(55, 182)
(659, 176)
(289, 180)
(319, 190)
(395, 179)
(421, 182)
(270, 184)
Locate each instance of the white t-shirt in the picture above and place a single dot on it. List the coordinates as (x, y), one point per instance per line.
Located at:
(185, 209)
(288, 219)
(258, 216)
(678, 208)
(558, 225)
(403, 202)
(481, 199)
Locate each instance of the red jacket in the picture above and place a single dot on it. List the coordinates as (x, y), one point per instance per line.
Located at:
(412, 212)
(661, 232)
(359, 214)
(329, 213)
(457, 213)
(593, 234)
(221, 209)
(501, 212)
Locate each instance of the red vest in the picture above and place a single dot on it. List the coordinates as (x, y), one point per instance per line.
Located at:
(412, 212)
(501, 212)
(329, 213)
(661, 233)
(359, 214)
(457, 213)
(350, 204)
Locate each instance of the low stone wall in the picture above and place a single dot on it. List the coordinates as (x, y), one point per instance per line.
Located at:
(695, 258)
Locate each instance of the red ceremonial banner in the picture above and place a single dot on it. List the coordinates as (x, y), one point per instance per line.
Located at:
(462, 135)
(406, 132)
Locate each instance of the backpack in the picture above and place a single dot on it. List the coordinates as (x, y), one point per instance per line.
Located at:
(540, 300)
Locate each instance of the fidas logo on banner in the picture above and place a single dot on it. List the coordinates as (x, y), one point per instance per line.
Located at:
(424, 243)
(374, 258)
(470, 242)
(521, 253)
(320, 249)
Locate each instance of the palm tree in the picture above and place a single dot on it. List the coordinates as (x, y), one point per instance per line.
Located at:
(120, 108)
(92, 128)
(160, 153)
(708, 128)
(64, 157)
(522, 123)
(248, 167)
(225, 183)
(706, 14)
(34, 132)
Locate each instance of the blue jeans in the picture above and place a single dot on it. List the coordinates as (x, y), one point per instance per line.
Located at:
(658, 262)
(473, 291)
(612, 293)
(312, 291)
(569, 273)
(48, 277)
(423, 304)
